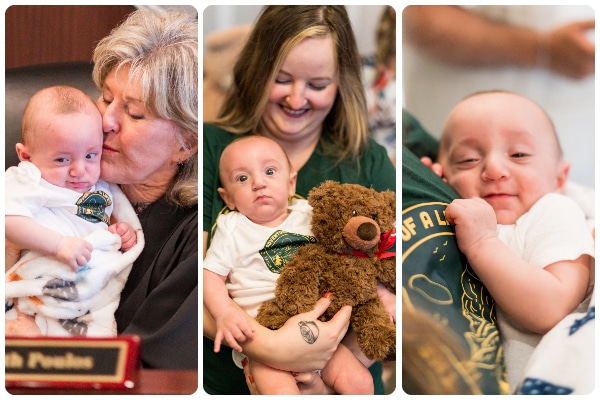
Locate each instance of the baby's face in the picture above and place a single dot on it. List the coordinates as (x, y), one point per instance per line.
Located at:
(257, 180)
(68, 149)
(501, 147)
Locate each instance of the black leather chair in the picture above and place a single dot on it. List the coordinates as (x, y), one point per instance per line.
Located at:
(21, 83)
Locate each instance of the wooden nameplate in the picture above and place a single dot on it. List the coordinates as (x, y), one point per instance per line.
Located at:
(73, 362)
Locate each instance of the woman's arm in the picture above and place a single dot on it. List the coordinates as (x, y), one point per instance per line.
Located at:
(455, 35)
(285, 348)
(458, 36)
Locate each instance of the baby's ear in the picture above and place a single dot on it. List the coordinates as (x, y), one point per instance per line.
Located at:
(562, 174)
(293, 180)
(226, 198)
(22, 152)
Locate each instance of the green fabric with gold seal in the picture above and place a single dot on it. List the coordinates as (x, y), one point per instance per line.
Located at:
(437, 279)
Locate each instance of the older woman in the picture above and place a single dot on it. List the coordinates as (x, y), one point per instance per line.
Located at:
(147, 73)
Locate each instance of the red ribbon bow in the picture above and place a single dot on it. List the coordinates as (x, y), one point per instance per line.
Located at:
(387, 241)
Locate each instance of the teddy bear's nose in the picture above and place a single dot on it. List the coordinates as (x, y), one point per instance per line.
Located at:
(367, 231)
(361, 233)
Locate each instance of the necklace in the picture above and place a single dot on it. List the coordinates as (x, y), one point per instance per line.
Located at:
(140, 207)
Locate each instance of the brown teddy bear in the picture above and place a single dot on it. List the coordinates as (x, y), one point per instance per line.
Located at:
(355, 231)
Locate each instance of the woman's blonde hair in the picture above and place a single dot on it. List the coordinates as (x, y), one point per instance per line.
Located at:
(277, 30)
(162, 53)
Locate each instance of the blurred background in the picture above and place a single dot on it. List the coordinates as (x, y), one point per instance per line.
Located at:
(544, 52)
(46, 34)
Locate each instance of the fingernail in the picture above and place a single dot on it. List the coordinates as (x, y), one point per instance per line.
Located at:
(250, 378)
(328, 295)
(244, 361)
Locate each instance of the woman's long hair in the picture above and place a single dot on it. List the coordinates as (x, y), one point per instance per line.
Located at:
(277, 30)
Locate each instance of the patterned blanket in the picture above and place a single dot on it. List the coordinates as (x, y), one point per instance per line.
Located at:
(563, 361)
(65, 302)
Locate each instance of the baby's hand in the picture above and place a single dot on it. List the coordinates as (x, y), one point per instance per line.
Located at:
(127, 233)
(233, 326)
(475, 220)
(74, 251)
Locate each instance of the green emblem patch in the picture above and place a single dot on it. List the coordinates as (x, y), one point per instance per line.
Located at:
(91, 206)
(281, 246)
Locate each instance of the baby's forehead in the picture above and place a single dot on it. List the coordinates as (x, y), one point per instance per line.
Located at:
(262, 144)
(518, 117)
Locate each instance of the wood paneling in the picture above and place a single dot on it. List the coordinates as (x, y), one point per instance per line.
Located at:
(49, 34)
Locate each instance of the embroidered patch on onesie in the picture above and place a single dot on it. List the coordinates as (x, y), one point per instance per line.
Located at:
(281, 246)
(91, 206)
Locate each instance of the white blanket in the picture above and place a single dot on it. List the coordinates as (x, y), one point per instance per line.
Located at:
(65, 302)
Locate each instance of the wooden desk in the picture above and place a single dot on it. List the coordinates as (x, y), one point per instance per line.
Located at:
(149, 381)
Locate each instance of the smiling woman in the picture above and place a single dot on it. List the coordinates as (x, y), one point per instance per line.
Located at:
(297, 81)
(302, 96)
(149, 152)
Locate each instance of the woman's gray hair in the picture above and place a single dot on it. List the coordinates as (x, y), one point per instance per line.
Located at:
(162, 53)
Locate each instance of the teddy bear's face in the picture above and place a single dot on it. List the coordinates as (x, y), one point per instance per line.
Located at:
(349, 217)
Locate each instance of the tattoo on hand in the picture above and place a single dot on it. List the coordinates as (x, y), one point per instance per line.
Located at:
(309, 331)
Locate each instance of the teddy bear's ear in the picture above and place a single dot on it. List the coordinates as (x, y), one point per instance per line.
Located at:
(321, 191)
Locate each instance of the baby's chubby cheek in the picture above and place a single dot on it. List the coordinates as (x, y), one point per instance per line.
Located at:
(464, 190)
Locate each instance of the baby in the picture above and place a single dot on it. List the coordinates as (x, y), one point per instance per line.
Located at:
(60, 212)
(258, 183)
(529, 245)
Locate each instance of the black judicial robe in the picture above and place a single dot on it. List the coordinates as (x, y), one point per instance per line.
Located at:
(160, 299)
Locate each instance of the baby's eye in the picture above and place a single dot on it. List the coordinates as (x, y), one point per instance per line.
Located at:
(519, 155)
(270, 171)
(62, 160)
(242, 178)
(91, 156)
